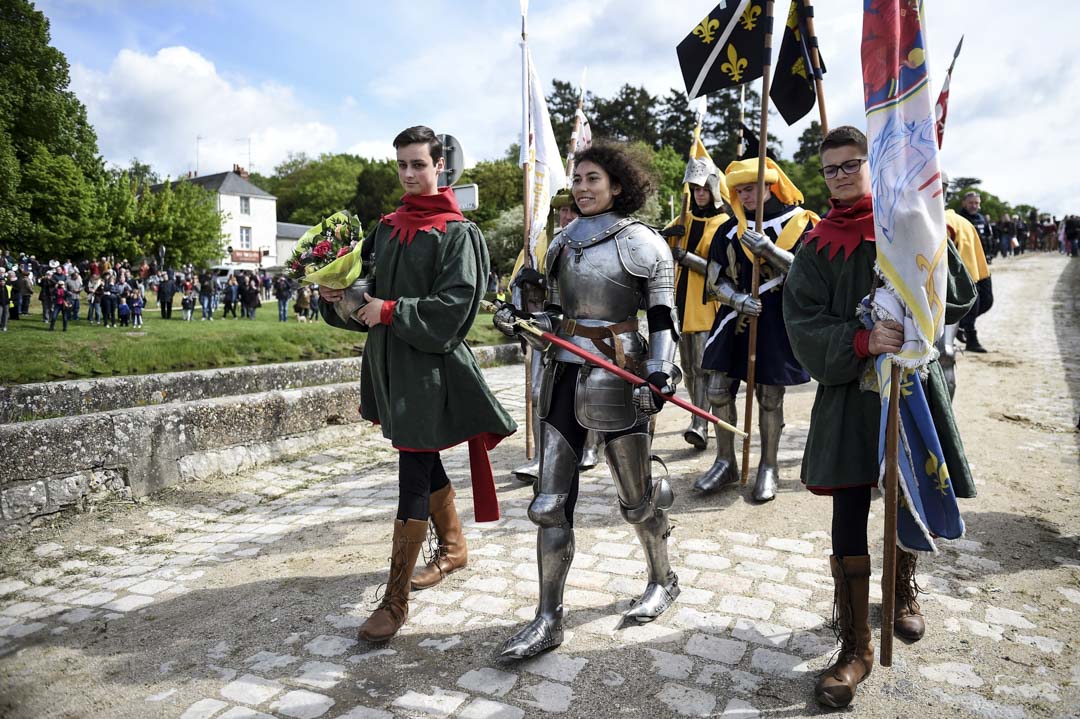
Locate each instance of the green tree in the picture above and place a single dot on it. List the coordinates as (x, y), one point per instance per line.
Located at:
(377, 191)
(63, 219)
(809, 141)
(807, 177)
(628, 116)
(500, 184)
(43, 128)
(183, 218)
(310, 190)
(562, 106)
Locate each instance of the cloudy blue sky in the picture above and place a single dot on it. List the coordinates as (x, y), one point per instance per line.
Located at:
(346, 76)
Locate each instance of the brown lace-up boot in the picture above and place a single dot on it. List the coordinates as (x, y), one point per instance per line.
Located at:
(836, 686)
(452, 553)
(908, 621)
(392, 611)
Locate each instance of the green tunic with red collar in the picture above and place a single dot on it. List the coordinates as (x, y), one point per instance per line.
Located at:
(821, 294)
(419, 380)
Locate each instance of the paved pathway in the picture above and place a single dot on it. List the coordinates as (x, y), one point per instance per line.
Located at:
(240, 600)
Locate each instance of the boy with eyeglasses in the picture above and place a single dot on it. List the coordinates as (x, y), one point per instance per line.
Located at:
(829, 277)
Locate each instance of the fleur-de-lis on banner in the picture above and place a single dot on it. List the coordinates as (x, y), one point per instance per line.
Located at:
(735, 65)
(799, 68)
(750, 16)
(706, 29)
(939, 472)
(906, 380)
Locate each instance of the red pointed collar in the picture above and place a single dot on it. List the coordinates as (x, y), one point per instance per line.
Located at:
(420, 213)
(845, 227)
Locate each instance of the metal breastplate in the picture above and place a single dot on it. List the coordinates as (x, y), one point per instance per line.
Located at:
(595, 289)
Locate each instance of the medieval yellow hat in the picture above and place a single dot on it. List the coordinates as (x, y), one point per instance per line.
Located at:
(743, 172)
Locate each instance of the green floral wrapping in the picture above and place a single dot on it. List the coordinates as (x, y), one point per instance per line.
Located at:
(328, 254)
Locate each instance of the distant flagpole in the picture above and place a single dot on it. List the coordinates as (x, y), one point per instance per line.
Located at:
(815, 62)
(572, 147)
(941, 108)
(759, 221)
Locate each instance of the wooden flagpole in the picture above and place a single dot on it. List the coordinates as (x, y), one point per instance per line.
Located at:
(815, 62)
(526, 172)
(759, 221)
(888, 563)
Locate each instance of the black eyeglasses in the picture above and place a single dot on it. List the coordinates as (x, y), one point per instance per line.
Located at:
(829, 172)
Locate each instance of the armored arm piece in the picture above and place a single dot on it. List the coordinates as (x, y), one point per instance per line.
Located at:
(648, 251)
(692, 262)
(723, 289)
(766, 249)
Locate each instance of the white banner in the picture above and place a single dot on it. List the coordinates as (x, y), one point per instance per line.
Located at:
(541, 152)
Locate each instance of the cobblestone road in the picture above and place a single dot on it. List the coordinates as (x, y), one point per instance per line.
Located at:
(240, 599)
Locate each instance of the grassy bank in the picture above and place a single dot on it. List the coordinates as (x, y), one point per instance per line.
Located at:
(31, 353)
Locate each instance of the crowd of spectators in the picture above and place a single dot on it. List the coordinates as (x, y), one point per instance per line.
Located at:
(114, 293)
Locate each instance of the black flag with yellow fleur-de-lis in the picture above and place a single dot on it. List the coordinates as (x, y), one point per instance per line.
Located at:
(725, 49)
(793, 92)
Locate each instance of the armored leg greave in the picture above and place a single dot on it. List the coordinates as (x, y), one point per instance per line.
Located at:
(554, 546)
(644, 503)
(771, 423)
(725, 470)
(691, 347)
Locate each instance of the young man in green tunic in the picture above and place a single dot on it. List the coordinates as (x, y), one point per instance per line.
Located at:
(832, 272)
(419, 380)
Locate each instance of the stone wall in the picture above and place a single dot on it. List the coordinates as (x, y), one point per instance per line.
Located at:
(21, 403)
(26, 402)
(130, 436)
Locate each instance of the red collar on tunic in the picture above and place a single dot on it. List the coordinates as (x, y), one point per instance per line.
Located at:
(845, 227)
(421, 213)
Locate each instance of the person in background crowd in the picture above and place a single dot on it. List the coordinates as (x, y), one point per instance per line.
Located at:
(282, 291)
(137, 303)
(108, 300)
(74, 289)
(232, 297)
(124, 311)
(93, 299)
(206, 295)
(166, 292)
(266, 282)
(5, 301)
(303, 304)
(45, 296)
(187, 303)
(985, 298)
(25, 289)
(249, 296)
(58, 302)
(316, 296)
(1006, 230)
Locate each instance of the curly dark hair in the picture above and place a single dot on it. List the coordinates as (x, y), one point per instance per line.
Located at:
(624, 169)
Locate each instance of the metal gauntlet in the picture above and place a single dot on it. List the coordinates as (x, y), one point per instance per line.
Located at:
(725, 291)
(761, 246)
(694, 263)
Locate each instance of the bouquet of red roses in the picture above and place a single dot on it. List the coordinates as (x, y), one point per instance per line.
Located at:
(329, 253)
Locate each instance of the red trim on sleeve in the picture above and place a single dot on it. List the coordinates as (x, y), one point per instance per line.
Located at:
(862, 343)
(386, 314)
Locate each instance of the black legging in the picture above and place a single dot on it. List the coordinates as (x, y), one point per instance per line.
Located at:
(850, 513)
(419, 475)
